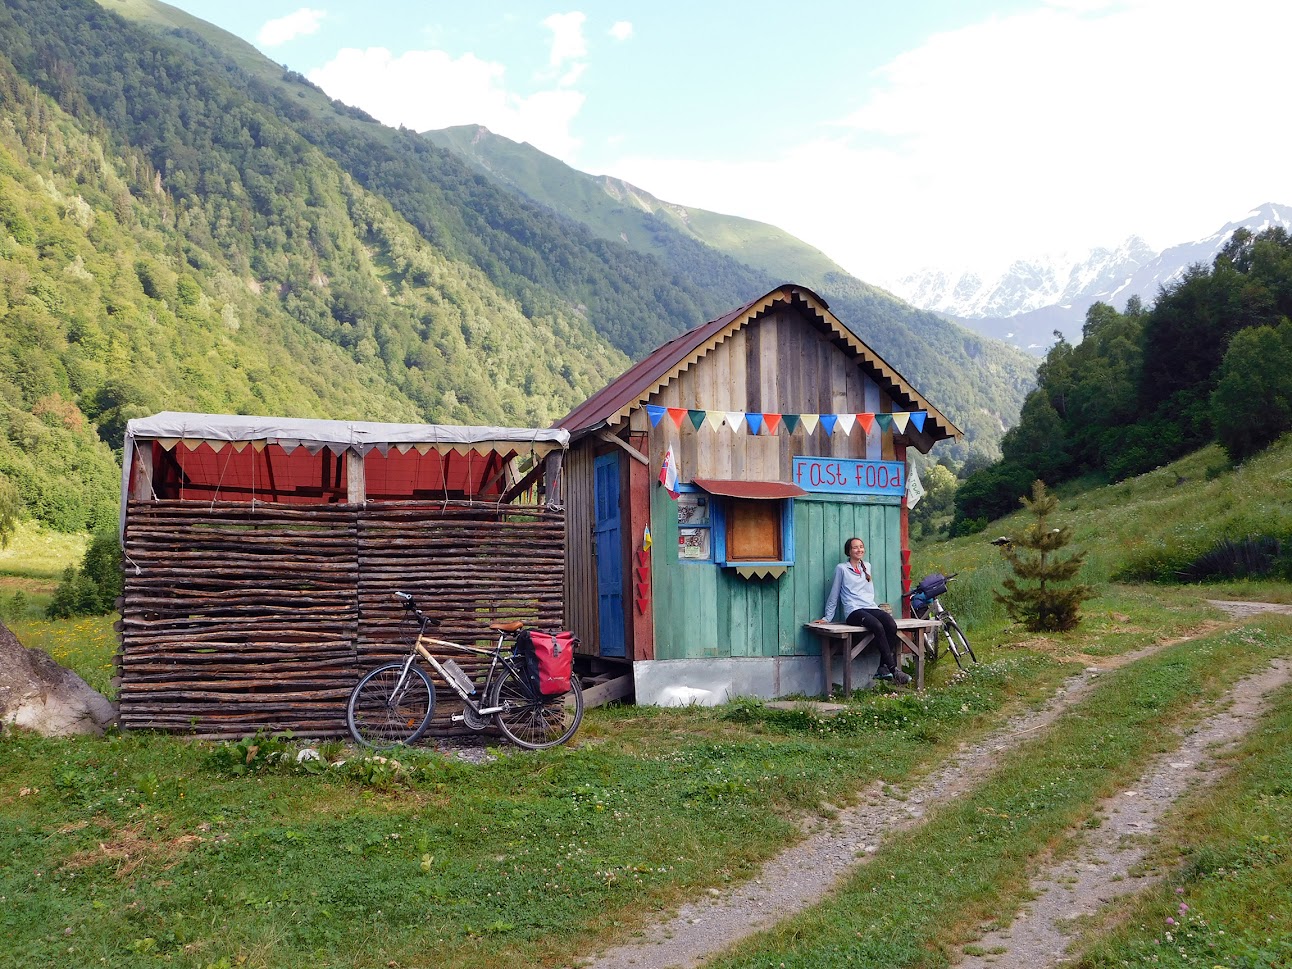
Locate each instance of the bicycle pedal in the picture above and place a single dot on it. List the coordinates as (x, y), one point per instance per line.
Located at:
(457, 718)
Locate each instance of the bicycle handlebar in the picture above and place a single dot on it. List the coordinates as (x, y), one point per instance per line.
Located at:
(411, 606)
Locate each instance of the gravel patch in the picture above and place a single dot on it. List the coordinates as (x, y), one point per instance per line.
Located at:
(1099, 874)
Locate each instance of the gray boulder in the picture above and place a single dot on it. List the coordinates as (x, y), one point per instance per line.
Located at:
(37, 694)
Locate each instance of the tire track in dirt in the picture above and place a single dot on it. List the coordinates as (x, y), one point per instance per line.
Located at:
(805, 873)
(1098, 873)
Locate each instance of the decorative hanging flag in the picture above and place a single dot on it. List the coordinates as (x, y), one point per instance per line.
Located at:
(917, 418)
(885, 421)
(676, 414)
(809, 422)
(735, 420)
(771, 420)
(668, 474)
(791, 422)
(697, 418)
(899, 421)
(845, 423)
(914, 489)
(646, 537)
(867, 422)
(714, 419)
(755, 421)
(655, 414)
(827, 423)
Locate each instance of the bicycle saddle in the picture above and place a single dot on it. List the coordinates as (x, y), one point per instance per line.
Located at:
(507, 627)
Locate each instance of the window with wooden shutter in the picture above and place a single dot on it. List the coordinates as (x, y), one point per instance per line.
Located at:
(753, 531)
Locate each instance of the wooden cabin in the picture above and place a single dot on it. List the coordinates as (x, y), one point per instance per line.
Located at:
(261, 555)
(789, 434)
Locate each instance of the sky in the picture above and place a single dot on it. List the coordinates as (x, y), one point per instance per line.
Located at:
(956, 134)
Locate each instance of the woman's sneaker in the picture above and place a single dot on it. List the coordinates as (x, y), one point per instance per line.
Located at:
(883, 673)
(901, 677)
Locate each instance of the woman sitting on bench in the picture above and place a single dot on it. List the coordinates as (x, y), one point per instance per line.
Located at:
(854, 588)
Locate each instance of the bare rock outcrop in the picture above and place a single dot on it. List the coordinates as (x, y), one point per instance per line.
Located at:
(38, 694)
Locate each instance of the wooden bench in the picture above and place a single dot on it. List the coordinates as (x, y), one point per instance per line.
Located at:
(836, 637)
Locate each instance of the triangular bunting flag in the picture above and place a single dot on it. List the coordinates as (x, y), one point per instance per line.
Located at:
(646, 539)
(885, 421)
(668, 474)
(827, 424)
(791, 422)
(735, 420)
(755, 421)
(714, 419)
(676, 414)
(917, 418)
(899, 421)
(641, 605)
(641, 556)
(846, 421)
(771, 420)
(867, 422)
(655, 414)
(697, 418)
(642, 573)
(809, 422)
(642, 590)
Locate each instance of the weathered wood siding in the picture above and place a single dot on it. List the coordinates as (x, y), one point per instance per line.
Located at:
(779, 364)
(580, 547)
(702, 609)
(237, 618)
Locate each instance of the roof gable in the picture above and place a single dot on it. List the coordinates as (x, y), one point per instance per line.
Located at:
(635, 386)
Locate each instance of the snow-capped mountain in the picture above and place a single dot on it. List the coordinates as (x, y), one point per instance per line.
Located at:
(1027, 302)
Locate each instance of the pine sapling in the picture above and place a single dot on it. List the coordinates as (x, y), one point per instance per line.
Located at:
(1041, 595)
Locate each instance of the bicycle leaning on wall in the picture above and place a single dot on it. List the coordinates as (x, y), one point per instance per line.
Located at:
(926, 604)
(535, 707)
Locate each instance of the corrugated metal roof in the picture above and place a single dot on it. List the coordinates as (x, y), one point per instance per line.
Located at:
(749, 489)
(634, 387)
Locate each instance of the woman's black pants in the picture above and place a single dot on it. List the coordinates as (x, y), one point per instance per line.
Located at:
(881, 625)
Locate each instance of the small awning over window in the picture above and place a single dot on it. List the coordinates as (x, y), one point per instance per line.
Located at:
(749, 489)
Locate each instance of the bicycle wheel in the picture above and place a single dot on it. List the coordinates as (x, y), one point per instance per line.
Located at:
(957, 641)
(535, 723)
(378, 718)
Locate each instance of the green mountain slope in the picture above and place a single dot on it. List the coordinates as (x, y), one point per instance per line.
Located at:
(281, 286)
(979, 382)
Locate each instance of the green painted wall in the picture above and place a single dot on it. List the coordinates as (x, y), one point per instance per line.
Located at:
(704, 610)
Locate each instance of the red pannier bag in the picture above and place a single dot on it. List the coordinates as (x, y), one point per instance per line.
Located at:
(549, 660)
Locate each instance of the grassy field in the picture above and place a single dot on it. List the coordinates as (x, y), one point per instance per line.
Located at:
(145, 849)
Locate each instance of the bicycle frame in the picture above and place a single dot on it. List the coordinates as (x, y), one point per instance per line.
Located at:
(420, 648)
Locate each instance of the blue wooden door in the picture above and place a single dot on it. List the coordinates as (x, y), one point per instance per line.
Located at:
(607, 533)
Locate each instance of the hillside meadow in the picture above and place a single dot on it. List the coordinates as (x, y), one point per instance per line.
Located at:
(151, 849)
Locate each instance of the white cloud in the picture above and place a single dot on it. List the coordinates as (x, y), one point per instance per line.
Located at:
(280, 31)
(1071, 125)
(428, 89)
(622, 30)
(567, 37)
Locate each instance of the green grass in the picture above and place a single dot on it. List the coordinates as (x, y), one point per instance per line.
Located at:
(147, 845)
(1229, 850)
(923, 895)
(37, 552)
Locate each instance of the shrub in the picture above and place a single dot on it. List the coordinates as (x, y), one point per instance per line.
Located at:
(1050, 605)
(92, 589)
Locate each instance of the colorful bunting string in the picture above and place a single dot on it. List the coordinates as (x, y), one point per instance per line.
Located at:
(771, 423)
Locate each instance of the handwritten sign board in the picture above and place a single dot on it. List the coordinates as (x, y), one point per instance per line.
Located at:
(842, 476)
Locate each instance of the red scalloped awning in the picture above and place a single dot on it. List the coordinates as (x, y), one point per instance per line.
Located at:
(749, 489)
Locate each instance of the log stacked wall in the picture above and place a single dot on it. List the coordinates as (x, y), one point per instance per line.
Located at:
(236, 619)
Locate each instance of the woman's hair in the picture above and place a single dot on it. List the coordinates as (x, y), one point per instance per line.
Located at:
(847, 546)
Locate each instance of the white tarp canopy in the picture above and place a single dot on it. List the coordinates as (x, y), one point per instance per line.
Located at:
(171, 428)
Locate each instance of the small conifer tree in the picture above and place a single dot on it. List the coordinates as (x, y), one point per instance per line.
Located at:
(1041, 595)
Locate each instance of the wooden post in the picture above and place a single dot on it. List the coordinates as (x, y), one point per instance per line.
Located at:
(355, 484)
(900, 454)
(141, 473)
(642, 627)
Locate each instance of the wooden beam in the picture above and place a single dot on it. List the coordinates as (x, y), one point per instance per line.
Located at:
(356, 482)
(141, 475)
(618, 441)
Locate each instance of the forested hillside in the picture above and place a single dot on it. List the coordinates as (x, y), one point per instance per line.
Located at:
(1210, 361)
(246, 273)
(980, 383)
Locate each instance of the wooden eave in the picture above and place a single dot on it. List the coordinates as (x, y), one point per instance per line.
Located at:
(640, 382)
